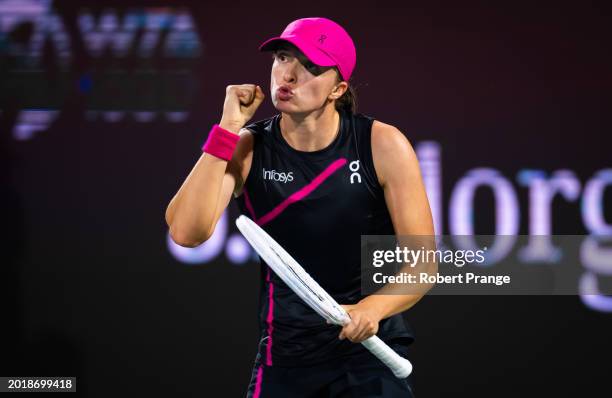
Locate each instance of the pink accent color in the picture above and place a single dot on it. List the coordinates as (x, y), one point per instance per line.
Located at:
(302, 193)
(249, 205)
(295, 197)
(270, 319)
(258, 382)
(221, 143)
(322, 41)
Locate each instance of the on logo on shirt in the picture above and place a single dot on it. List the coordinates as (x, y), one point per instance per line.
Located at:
(354, 167)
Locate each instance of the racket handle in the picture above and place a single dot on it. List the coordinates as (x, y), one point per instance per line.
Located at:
(401, 367)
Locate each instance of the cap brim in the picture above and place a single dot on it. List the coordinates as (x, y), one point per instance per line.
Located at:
(314, 54)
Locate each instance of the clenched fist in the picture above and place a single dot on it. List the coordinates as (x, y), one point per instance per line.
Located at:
(241, 102)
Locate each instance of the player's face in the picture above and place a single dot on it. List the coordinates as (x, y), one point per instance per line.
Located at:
(297, 85)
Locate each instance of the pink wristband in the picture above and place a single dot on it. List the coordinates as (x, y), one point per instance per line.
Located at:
(221, 143)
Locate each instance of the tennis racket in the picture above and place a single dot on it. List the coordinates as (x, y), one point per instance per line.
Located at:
(312, 293)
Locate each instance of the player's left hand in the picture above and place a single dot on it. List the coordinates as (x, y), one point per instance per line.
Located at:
(363, 325)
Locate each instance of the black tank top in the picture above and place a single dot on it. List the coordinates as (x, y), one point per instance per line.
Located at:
(316, 205)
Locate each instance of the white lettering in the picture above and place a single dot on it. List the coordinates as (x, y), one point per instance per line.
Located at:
(277, 176)
(354, 167)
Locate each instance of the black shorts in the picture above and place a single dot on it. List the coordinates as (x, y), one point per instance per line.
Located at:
(357, 376)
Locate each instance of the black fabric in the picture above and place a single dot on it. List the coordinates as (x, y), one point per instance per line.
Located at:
(322, 232)
(359, 376)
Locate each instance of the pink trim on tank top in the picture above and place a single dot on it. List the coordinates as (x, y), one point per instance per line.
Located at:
(294, 197)
(271, 215)
(270, 319)
(257, 392)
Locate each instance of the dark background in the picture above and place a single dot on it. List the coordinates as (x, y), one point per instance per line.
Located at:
(90, 288)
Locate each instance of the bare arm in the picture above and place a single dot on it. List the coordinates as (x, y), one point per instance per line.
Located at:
(398, 172)
(197, 206)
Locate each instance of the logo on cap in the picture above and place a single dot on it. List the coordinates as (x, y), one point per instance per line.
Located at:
(310, 36)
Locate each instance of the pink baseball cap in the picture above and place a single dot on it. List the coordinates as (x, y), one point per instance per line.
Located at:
(322, 41)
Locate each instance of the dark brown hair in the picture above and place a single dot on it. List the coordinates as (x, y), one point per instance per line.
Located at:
(348, 101)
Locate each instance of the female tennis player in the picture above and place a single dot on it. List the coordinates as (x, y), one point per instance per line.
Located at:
(316, 176)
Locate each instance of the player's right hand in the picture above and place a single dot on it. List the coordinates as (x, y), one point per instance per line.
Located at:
(241, 102)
